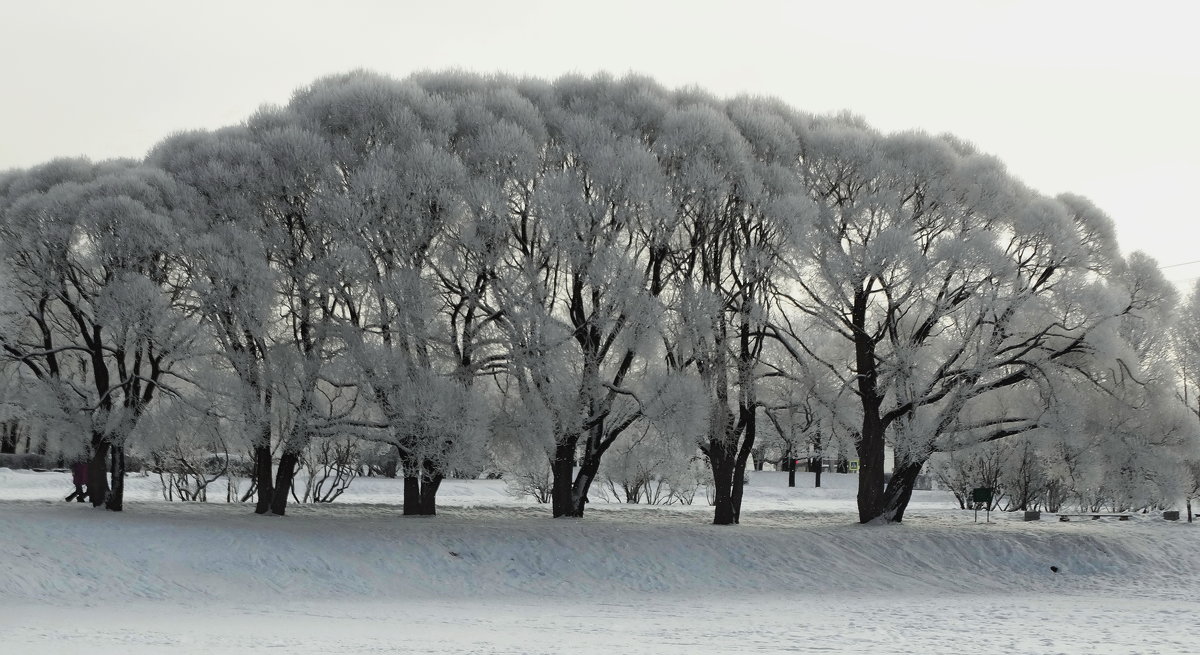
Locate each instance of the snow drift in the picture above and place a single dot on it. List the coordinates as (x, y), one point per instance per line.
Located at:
(65, 553)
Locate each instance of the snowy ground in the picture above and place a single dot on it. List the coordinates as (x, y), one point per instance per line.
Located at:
(496, 575)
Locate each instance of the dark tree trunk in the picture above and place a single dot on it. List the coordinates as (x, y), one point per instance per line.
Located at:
(723, 505)
(98, 472)
(412, 484)
(899, 491)
(749, 432)
(421, 482)
(723, 463)
(115, 499)
(429, 488)
(791, 468)
(412, 494)
(562, 469)
(870, 466)
(9, 437)
(1189, 509)
(262, 475)
(815, 464)
(283, 482)
(583, 482)
(871, 439)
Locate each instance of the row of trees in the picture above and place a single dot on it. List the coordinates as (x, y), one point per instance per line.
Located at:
(464, 267)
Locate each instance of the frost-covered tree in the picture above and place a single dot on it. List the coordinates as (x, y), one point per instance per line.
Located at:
(734, 204)
(1186, 338)
(301, 238)
(945, 280)
(595, 206)
(226, 268)
(400, 194)
(1105, 430)
(397, 259)
(1122, 404)
(95, 318)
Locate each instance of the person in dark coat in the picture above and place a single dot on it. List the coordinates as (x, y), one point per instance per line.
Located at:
(79, 476)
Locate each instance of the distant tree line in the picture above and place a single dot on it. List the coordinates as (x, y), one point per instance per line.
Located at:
(578, 283)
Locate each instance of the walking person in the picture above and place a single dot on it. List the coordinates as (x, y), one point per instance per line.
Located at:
(79, 476)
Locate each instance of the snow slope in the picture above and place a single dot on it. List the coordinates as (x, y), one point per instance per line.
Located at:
(495, 575)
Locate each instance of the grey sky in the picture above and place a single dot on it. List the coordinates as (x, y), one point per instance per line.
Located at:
(1097, 98)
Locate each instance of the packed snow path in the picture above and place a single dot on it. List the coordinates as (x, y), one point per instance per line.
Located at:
(502, 577)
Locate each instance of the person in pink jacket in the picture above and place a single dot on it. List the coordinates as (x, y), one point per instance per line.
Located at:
(79, 476)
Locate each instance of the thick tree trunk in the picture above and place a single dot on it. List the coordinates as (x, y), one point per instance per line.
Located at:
(722, 462)
(562, 469)
(283, 482)
(412, 494)
(871, 438)
(429, 488)
(583, 482)
(421, 482)
(791, 468)
(262, 475)
(899, 491)
(748, 433)
(98, 472)
(815, 464)
(870, 466)
(115, 500)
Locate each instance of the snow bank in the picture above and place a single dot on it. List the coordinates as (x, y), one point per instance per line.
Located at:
(65, 553)
(496, 575)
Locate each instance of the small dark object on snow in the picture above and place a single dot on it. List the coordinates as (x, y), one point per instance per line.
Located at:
(1054, 569)
(453, 554)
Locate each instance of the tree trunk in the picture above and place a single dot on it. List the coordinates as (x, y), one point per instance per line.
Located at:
(562, 469)
(722, 463)
(115, 500)
(791, 468)
(1189, 509)
(899, 491)
(8, 437)
(412, 494)
(583, 482)
(283, 482)
(815, 464)
(262, 475)
(429, 488)
(421, 482)
(412, 484)
(98, 472)
(748, 433)
(870, 466)
(871, 438)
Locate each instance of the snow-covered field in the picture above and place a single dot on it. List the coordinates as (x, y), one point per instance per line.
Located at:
(492, 574)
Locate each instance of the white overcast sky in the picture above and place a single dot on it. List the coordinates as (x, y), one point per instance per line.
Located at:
(1096, 98)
